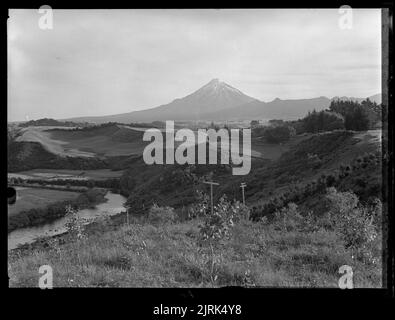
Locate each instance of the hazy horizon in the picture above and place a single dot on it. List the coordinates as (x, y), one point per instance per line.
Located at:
(102, 62)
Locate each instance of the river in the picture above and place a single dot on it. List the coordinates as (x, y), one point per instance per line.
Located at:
(112, 206)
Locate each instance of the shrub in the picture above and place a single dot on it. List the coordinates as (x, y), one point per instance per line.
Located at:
(162, 215)
(216, 228)
(201, 206)
(278, 134)
(322, 121)
(357, 116)
(75, 225)
(288, 218)
(310, 223)
(355, 223)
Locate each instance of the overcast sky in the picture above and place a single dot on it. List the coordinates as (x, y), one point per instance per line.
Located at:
(100, 62)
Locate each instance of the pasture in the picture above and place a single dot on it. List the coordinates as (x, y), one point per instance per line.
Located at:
(112, 141)
(64, 174)
(29, 198)
(273, 151)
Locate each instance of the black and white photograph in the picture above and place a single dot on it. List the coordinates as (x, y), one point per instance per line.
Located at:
(197, 148)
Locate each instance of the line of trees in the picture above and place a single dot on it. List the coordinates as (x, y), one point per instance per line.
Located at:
(349, 115)
(340, 115)
(357, 116)
(323, 121)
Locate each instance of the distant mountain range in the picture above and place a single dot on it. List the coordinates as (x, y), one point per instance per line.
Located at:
(219, 101)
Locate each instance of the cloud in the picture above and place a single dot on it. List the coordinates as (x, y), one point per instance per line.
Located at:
(97, 62)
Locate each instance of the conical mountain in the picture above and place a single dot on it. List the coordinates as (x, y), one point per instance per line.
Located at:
(215, 96)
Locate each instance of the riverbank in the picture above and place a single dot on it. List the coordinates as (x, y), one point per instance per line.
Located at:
(95, 227)
(49, 186)
(37, 236)
(39, 216)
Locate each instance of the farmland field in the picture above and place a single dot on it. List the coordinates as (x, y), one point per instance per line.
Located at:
(272, 151)
(28, 198)
(39, 134)
(111, 141)
(53, 174)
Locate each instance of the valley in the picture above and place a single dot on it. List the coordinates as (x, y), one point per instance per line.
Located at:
(301, 170)
(193, 148)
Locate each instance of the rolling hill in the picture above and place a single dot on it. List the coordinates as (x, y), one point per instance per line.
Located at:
(304, 161)
(105, 140)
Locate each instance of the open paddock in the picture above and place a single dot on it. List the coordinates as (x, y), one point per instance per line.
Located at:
(64, 174)
(29, 198)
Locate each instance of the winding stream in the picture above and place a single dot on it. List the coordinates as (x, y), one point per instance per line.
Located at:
(114, 205)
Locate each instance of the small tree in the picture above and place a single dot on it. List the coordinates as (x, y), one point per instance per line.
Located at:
(75, 225)
(157, 214)
(356, 224)
(218, 227)
(288, 218)
(201, 206)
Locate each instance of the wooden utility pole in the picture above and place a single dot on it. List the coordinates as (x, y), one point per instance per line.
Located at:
(242, 186)
(211, 183)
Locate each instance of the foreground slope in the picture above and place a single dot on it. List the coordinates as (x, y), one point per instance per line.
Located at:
(161, 248)
(168, 255)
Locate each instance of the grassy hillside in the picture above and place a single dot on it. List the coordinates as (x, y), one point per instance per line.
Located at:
(24, 155)
(169, 254)
(105, 140)
(305, 162)
(313, 210)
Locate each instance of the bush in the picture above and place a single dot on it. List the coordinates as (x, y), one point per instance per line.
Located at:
(288, 218)
(161, 215)
(310, 223)
(201, 207)
(322, 121)
(75, 225)
(216, 228)
(357, 116)
(358, 225)
(278, 134)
